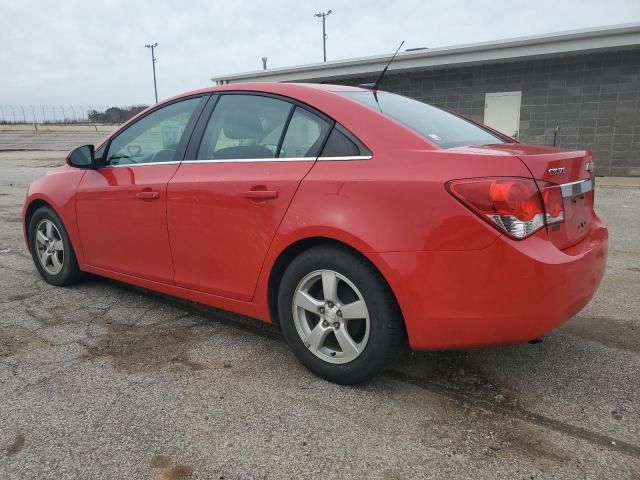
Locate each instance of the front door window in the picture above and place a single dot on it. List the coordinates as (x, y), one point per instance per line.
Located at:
(153, 138)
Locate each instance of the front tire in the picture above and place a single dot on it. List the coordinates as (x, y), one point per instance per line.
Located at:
(51, 248)
(338, 315)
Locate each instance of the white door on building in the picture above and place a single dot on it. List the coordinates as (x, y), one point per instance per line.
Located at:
(502, 112)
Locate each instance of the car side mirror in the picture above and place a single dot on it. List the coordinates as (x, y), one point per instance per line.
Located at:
(82, 157)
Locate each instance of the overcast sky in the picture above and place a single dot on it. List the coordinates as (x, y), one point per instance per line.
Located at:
(80, 52)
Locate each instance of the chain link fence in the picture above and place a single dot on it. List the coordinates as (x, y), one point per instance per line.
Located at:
(66, 114)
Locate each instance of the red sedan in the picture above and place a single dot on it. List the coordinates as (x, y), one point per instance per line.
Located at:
(355, 219)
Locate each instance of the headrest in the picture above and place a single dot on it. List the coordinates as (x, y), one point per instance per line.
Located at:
(241, 124)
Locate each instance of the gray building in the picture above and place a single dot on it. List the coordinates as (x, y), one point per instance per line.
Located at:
(586, 83)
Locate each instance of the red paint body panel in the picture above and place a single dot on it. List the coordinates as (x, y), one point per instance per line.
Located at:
(219, 237)
(396, 201)
(58, 188)
(120, 231)
(458, 280)
(510, 292)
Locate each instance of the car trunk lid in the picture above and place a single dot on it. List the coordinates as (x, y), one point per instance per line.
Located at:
(572, 172)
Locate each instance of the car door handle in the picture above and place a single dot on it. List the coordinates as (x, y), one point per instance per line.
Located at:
(147, 195)
(261, 194)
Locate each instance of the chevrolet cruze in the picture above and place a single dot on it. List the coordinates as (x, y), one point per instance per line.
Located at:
(355, 219)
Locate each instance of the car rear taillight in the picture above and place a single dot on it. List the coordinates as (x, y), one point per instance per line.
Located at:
(514, 205)
(552, 201)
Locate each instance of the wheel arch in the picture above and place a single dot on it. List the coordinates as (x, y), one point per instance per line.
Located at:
(30, 209)
(35, 204)
(66, 214)
(296, 248)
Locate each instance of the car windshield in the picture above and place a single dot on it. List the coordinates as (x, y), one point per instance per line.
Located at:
(442, 128)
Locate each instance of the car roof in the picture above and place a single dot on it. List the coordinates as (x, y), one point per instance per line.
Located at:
(292, 89)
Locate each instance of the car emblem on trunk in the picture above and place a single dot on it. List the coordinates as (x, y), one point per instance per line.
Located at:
(556, 171)
(590, 166)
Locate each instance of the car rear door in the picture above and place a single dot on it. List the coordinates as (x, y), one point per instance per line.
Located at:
(226, 200)
(121, 207)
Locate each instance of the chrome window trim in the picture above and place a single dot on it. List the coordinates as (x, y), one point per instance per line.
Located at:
(251, 160)
(280, 159)
(244, 160)
(578, 187)
(172, 162)
(354, 157)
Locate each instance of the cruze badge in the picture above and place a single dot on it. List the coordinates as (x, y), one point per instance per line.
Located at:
(556, 171)
(590, 166)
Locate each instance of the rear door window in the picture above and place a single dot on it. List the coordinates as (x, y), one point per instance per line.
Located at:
(244, 127)
(305, 135)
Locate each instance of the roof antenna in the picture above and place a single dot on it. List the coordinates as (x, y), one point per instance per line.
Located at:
(374, 86)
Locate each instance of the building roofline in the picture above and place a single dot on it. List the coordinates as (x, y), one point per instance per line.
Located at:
(530, 47)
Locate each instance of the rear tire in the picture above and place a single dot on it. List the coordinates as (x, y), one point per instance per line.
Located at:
(338, 315)
(51, 248)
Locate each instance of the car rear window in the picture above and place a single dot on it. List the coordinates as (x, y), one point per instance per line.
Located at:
(442, 128)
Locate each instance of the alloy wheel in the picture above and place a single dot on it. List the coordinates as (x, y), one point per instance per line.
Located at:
(49, 247)
(331, 316)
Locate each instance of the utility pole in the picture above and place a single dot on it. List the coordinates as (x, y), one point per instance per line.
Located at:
(324, 16)
(153, 64)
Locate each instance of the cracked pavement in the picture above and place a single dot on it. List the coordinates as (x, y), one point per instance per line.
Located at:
(106, 381)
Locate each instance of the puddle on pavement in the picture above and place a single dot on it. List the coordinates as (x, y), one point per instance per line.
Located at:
(52, 316)
(16, 445)
(458, 372)
(474, 414)
(167, 470)
(14, 340)
(140, 348)
(606, 331)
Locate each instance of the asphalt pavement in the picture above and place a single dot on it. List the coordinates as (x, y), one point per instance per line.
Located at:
(106, 381)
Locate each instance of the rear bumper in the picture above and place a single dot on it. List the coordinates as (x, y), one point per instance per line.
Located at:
(509, 292)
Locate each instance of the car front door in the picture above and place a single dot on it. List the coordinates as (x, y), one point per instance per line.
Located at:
(121, 207)
(225, 202)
